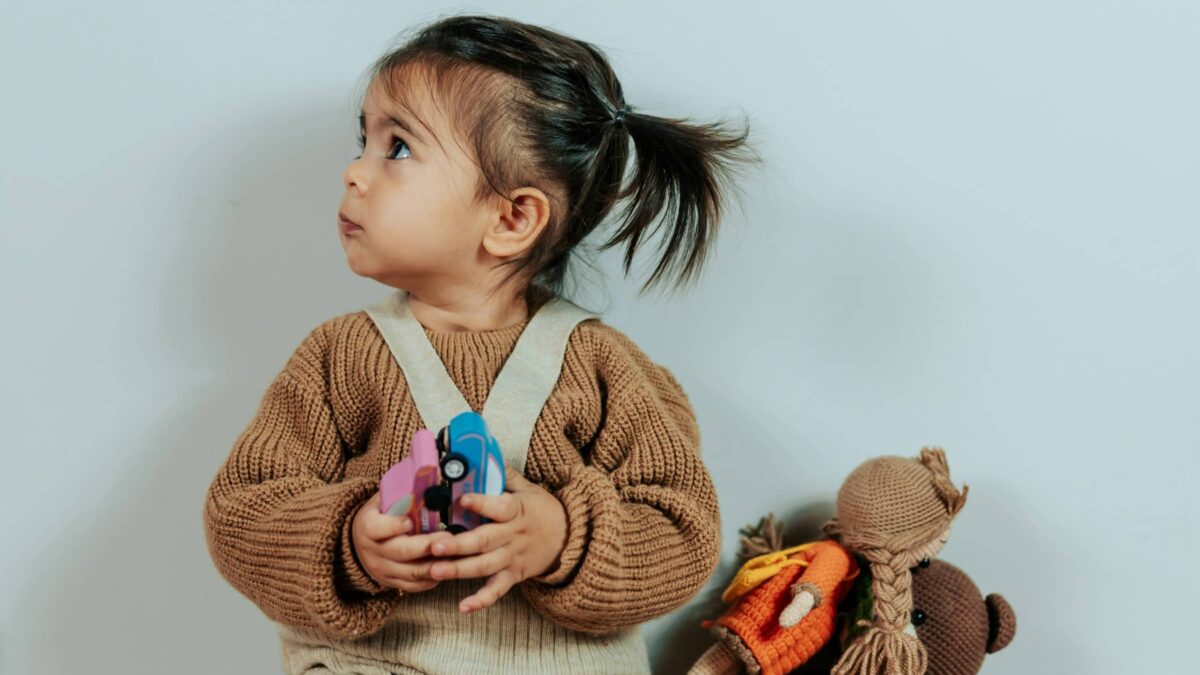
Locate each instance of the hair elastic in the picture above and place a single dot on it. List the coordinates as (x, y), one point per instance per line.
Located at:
(619, 117)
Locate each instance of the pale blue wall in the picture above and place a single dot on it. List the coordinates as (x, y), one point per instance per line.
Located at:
(977, 228)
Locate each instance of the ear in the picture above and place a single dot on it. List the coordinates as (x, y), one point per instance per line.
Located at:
(1002, 623)
(520, 220)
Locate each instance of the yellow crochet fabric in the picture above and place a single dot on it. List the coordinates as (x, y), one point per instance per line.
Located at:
(758, 570)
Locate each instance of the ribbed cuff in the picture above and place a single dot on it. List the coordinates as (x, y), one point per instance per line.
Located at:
(322, 513)
(348, 572)
(574, 497)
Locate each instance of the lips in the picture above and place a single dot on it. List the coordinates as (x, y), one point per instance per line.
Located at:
(346, 225)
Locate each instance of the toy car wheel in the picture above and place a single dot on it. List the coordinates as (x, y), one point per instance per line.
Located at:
(456, 529)
(454, 467)
(437, 498)
(442, 440)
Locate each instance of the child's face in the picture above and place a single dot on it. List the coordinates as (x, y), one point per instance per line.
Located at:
(412, 193)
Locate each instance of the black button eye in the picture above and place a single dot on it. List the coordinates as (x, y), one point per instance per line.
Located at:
(925, 562)
(918, 617)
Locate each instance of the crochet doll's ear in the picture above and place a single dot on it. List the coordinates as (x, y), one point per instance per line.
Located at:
(1002, 623)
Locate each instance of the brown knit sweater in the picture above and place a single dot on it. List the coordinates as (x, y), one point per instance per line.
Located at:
(617, 443)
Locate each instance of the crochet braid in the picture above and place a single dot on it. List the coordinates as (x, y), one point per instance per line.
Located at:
(885, 648)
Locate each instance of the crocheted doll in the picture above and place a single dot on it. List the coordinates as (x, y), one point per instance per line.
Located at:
(892, 512)
(954, 621)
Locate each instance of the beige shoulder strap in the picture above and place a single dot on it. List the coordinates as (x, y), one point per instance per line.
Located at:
(437, 398)
(521, 389)
(529, 376)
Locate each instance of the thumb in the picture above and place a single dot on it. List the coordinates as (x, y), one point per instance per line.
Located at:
(515, 479)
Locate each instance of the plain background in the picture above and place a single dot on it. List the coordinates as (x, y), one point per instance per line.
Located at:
(976, 228)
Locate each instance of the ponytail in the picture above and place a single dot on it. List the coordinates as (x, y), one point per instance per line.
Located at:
(682, 172)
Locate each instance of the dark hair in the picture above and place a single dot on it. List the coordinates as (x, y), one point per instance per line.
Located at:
(543, 109)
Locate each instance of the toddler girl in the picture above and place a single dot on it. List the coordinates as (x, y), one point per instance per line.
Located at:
(491, 149)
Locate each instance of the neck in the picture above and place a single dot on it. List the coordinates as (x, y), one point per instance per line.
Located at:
(467, 310)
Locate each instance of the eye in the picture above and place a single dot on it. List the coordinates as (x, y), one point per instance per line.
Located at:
(919, 617)
(925, 562)
(398, 142)
(362, 143)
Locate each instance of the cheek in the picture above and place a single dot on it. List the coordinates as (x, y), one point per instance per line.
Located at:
(427, 220)
(448, 220)
(423, 197)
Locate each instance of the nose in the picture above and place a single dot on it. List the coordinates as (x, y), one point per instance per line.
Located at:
(355, 176)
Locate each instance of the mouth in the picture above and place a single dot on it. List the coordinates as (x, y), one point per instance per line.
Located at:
(345, 225)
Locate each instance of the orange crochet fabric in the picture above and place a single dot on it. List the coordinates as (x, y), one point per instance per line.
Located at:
(755, 617)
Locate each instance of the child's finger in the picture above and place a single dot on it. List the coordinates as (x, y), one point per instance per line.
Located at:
(415, 586)
(381, 526)
(414, 570)
(386, 527)
(404, 549)
(492, 591)
(473, 567)
(514, 480)
(479, 540)
(500, 508)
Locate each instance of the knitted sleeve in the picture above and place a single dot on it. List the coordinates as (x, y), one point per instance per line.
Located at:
(277, 515)
(642, 516)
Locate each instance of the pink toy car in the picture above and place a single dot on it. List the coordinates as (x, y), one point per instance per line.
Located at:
(402, 490)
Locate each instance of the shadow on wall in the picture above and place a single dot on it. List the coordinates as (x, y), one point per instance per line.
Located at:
(131, 587)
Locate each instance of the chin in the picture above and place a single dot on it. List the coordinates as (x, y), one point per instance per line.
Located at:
(357, 266)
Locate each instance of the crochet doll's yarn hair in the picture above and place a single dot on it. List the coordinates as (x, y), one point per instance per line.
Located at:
(896, 503)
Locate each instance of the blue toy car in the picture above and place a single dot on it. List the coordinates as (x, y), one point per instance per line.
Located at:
(471, 462)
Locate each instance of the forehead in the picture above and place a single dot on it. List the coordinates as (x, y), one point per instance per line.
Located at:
(408, 103)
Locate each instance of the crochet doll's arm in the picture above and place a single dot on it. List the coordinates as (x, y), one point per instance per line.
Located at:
(277, 514)
(642, 516)
(829, 564)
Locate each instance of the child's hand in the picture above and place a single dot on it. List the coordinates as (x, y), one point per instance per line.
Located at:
(526, 538)
(388, 554)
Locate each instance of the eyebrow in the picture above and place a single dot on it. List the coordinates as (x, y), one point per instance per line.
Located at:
(362, 125)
